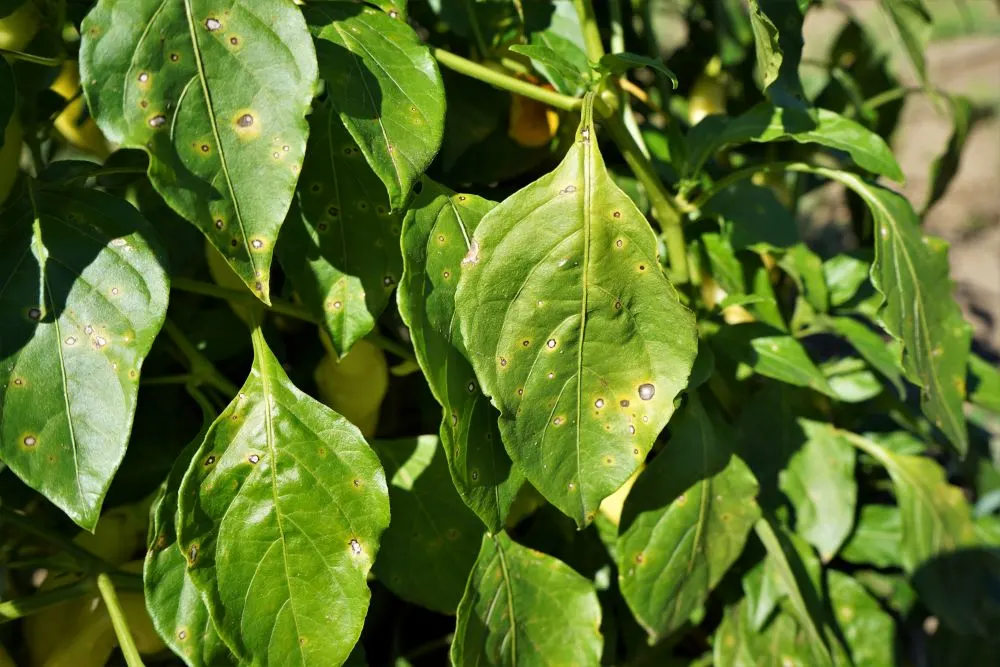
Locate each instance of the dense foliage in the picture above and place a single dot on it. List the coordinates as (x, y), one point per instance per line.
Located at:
(453, 330)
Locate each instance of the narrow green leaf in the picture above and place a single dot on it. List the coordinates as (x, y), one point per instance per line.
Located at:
(875, 350)
(437, 233)
(766, 123)
(340, 244)
(564, 75)
(84, 292)
(844, 274)
(771, 353)
(725, 267)
(912, 24)
(553, 274)
(984, 385)
(280, 516)
(911, 274)
(619, 63)
(522, 607)
(217, 97)
(945, 166)
(685, 522)
(789, 557)
(429, 548)
(570, 54)
(385, 85)
(935, 516)
(806, 269)
(777, 29)
(174, 602)
(877, 538)
(866, 628)
(819, 481)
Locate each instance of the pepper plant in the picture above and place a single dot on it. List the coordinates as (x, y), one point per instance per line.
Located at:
(498, 333)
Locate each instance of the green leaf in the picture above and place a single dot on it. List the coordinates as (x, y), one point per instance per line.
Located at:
(553, 274)
(340, 244)
(911, 274)
(280, 516)
(217, 98)
(385, 85)
(779, 49)
(984, 387)
(174, 602)
(522, 607)
(765, 123)
(437, 233)
(84, 293)
(771, 353)
(725, 267)
(790, 560)
(935, 516)
(619, 63)
(564, 75)
(866, 628)
(912, 24)
(565, 41)
(429, 548)
(819, 481)
(945, 166)
(881, 356)
(806, 269)
(877, 538)
(685, 522)
(844, 274)
(738, 644)
(753, 218)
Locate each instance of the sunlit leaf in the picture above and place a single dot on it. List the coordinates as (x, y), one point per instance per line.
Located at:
(83, 291)
(867, 629)
(384, 84)
(429, 548)
(437, 234)
(555, 275)
(685, 521)
(777, 28)
(340, 245)
(522, 607)
(876, 539)
(567, 76)
(872, 347)
(217, 96)
(280, 516)
(984, 387)
(844, 274)
(738, 644)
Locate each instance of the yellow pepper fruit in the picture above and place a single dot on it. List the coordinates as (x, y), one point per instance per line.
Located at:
(18, 28)
(355, 385)
(75, 124)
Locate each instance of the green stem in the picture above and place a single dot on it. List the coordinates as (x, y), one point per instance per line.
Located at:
(591, 33)
(283, 307)
(664, 210)
(617, 30)
(505, 82)
(33, 604)
(201, 367)
(91, 561)
(125, 640)
(31, 58)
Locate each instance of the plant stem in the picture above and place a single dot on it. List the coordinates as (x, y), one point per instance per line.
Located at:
(591, 33)
(118, 620)
(201, 367)
(617, 30)
(505, 82)
(285, 308)
(33, 604)
(219, 292)
(31, 58)
(664, 210)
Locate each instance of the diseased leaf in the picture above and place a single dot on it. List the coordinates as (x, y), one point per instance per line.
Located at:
(340, 244)
(771, 353)
(280, 516)
(877, 538)
(945, 166)
(429, 548)
(84, 292)
(565, 75)
(935, 515)
(217, 97)
(765, 123)
(819, 481)
(555, 274)
(385, 86)
(984, 385)
(437, 233)
(685, 521)
(522, 607)
(865, 627)
(911, 274)
(876, 351)
(174, 602)
(777, 29)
